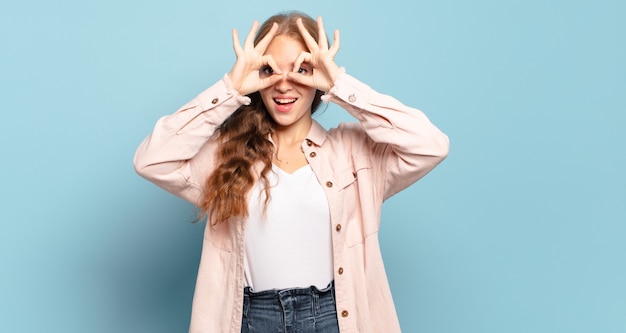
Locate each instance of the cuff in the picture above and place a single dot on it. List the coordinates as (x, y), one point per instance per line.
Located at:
(229, 86)
(333, 91)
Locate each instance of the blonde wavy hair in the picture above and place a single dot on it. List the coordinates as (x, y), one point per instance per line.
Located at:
(244, 140)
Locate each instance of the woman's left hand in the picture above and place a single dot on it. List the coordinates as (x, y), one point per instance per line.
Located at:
(320, 56)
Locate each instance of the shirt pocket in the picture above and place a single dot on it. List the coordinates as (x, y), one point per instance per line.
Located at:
(354, 195)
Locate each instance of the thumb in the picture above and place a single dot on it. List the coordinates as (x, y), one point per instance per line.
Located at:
(301, 79)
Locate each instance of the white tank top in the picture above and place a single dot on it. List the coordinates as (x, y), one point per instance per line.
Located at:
(290, 246)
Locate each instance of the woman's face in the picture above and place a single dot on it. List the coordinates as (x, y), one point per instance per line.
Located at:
(287, 102)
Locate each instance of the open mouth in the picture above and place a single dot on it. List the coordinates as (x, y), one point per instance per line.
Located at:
(284, 101)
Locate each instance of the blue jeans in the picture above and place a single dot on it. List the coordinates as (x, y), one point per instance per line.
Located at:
(301, 310)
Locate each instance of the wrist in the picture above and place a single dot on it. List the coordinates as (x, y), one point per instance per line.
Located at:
(234, 91)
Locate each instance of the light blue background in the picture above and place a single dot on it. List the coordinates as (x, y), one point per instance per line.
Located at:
(521, 229)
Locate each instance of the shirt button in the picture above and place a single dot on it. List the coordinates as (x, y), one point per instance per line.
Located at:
(309, 143)
(215, 100)
(340, 271)
(352, 98)
(344, 313)
(312, 154)
(338, 227)
(329, 184)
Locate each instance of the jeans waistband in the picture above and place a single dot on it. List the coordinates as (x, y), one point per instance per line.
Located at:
(273, 293)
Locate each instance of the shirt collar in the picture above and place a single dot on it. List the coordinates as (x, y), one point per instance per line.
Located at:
(317, 134)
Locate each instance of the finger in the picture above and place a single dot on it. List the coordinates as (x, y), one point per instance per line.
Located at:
(249, 42)
(269, 60)
(265, 42)
(308, 39)
(270, 81)
(301, 79)
(236, 44)
(335, 47)
(323, 41)
(302, 57)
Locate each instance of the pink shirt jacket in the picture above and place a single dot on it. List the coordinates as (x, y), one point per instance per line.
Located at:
(359, 166)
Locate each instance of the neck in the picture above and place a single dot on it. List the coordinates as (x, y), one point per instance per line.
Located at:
(290, 135)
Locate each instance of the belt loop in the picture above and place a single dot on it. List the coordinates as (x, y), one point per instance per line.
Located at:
(246, 303)
(316, 301)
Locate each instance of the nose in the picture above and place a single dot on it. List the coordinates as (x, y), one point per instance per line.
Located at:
(283, 84)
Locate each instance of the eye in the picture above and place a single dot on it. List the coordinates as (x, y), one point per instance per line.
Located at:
(305, 69)
(266, 71)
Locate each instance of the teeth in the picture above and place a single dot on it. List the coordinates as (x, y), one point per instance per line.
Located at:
(284, 100)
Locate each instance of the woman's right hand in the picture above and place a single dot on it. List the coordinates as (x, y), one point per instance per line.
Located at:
(245, 75)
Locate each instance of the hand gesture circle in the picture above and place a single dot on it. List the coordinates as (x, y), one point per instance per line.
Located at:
(320, 56)
(244, 75)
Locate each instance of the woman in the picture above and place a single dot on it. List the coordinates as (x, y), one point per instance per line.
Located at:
(293, 210)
